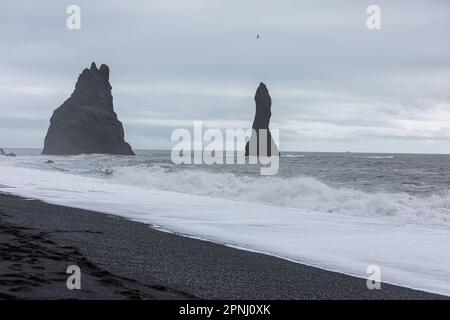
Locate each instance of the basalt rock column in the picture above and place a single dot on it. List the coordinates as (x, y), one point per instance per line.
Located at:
(261, 126)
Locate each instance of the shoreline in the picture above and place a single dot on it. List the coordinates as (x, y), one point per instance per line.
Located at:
(123, 259)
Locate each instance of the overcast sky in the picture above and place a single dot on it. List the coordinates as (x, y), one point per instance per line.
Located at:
(335, 85)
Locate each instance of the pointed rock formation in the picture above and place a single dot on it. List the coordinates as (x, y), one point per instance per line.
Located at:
(261, 122)
(3, 153)
(86, 122)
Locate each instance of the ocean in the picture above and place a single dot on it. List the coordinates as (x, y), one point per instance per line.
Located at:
(337, 211)
(413, 186)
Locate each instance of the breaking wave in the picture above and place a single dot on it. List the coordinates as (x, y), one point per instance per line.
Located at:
(298, 192)
(294, 191)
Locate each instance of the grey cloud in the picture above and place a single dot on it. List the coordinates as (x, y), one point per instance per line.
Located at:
(199, 60)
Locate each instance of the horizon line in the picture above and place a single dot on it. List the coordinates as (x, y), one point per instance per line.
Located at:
(282, 151)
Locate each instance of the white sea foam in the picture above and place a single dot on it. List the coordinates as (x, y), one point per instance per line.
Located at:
(411, 255)
(290, 155)
(379, 157)
(297, 192)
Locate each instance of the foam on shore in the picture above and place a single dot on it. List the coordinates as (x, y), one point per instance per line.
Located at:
(415, 256)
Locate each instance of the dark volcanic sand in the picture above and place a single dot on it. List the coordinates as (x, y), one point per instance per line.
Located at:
(121, 259)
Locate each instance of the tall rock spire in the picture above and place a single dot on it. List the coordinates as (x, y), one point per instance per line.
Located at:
(261, 125)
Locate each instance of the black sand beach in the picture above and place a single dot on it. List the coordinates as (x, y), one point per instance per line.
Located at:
(121, 259)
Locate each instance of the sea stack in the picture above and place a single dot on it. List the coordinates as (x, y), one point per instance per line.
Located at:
(86, 122)
(261, 122)
(3, 153)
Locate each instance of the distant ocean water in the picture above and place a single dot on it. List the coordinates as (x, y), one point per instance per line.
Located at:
(338, 211)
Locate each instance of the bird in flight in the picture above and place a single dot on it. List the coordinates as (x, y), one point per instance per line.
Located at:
(257, 36)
